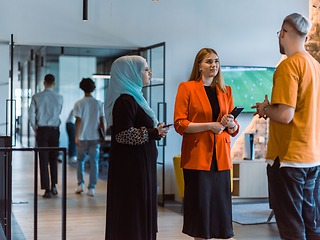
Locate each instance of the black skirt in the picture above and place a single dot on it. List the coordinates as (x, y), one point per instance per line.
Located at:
(207, 203)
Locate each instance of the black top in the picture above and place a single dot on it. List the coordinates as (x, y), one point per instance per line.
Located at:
(213, 99)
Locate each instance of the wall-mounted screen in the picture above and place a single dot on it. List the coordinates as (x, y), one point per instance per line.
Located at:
(249, 84)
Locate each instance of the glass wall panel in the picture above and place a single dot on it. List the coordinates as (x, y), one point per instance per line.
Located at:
(155, 96)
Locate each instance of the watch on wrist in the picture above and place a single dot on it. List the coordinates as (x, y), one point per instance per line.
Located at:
(265, 107)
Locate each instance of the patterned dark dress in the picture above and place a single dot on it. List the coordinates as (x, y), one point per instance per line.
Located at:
(132, 180)
(207, 196)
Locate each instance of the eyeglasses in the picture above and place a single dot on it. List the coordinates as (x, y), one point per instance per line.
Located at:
(278, 33)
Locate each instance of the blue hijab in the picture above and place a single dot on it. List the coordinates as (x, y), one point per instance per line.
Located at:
(126, 77)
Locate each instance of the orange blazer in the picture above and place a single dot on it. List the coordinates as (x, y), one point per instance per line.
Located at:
(192, 105)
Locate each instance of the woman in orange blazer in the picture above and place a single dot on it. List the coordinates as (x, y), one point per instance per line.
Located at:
(201, 116)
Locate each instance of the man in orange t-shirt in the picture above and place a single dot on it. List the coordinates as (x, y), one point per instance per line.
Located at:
(293, 154)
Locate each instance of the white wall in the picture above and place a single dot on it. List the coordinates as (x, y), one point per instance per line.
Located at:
(4, 86)
(243, 32)
(25, 103)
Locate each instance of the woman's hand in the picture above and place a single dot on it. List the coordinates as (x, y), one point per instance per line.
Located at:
(216, 127)
(228, 121)
(162, 130)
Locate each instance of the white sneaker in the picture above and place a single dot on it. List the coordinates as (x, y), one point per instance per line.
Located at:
(80, 188)
(72, 159)
(90, 192)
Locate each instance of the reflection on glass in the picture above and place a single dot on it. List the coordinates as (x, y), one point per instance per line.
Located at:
(159, 182)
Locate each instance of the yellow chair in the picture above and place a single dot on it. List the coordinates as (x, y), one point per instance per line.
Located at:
(179, 175)
(231, 176)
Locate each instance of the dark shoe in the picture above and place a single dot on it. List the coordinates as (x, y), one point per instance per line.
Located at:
(54, 191)
(47, 194)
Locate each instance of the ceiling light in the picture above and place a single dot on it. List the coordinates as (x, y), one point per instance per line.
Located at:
(85, 10)
(31, 55)
(106, 76)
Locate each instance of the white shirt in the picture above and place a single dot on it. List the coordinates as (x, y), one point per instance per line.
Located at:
(89, 110)
(71, 118)
(293, 164)
(45, 109)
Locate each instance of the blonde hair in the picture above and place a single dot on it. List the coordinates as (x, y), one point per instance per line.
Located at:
(195, 74)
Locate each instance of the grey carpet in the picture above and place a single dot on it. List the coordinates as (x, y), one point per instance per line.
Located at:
(16, 232)
(2, 236)
(251, 213)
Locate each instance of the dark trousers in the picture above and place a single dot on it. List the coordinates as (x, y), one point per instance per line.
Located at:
(291, 195)
(317, 195)
(48, 137)
(72, 143)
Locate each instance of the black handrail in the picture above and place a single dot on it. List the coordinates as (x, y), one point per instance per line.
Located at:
(64, 187)
(6, 180)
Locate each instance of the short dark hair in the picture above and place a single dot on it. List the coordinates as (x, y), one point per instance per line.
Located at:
(87, 85)
(49, 78)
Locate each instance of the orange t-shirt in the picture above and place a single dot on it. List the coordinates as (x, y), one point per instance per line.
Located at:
(296, 83)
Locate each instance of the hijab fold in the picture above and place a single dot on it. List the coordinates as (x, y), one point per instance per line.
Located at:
(126, 78)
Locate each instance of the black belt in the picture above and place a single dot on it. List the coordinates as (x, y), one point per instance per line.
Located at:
(48, 127)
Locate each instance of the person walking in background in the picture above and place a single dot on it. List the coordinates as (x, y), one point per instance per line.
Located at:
(71, 138)
(89, 117)
(132, 177)
(201, 116)
(293, 148)
(44, 112)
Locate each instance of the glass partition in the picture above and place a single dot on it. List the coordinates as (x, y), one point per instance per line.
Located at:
(155, 95)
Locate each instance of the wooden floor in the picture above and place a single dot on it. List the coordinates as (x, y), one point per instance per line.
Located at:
(86, 215)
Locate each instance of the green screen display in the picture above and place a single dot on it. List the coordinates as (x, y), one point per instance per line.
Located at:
(249, 84)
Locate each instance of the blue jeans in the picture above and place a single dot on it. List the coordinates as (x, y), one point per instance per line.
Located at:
(92, 148)
(292, 200)
(317, 195)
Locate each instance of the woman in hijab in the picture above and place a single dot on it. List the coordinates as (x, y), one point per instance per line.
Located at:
(132, 180)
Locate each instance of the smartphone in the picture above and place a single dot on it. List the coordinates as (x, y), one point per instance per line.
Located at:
(236, 111)
(168, 125)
